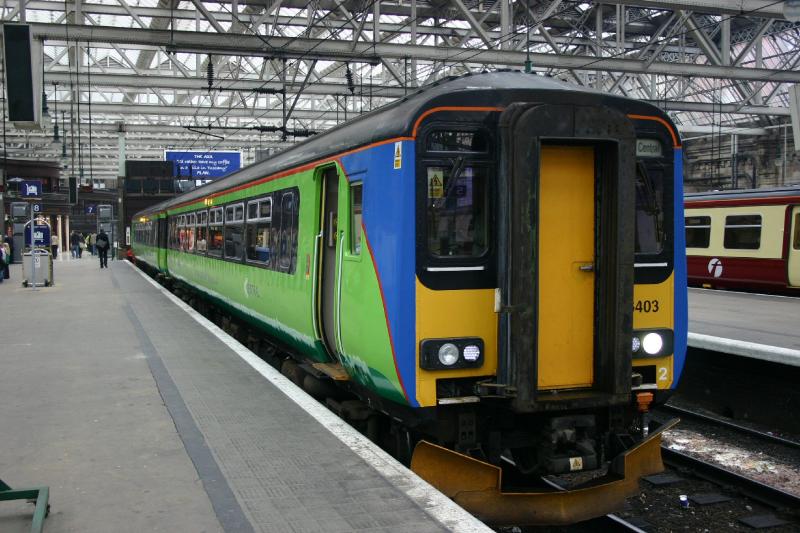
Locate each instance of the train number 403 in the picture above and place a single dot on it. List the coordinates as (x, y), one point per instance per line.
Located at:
(646, 306)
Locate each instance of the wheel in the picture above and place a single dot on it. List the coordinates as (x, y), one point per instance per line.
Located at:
(25, 283)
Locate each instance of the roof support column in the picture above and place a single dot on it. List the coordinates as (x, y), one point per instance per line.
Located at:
(757, 97)
(505, 25)
(725, 41)
(598, 37)
(414, 75)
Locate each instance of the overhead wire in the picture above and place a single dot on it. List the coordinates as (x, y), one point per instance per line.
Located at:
(283, 71)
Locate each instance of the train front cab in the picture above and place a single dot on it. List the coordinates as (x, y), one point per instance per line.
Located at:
(566, 242)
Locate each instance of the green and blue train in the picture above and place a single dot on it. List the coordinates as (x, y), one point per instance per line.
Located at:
(497, 260)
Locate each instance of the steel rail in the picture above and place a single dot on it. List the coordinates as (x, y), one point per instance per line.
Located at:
(686, 413)
(770, 496)
(610, 523)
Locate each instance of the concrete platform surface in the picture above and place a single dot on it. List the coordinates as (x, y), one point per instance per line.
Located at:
(753, 325)
(139, 418)
(81, 413)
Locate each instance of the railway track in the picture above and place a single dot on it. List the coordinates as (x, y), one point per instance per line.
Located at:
(755, 490)
(742, 499)
(768, 495)
(700, 417)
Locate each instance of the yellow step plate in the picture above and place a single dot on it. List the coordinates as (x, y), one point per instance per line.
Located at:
(332, 370)
(476, 486)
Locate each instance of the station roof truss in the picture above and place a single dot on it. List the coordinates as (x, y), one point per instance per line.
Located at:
(254, 75)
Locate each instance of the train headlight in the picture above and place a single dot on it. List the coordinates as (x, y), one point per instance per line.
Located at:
(636, 344)
(448, 354)
(652, 343)
(472, 353)
(451, 353)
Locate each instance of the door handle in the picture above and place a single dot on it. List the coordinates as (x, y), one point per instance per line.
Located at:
(338, 332)
(586, 268)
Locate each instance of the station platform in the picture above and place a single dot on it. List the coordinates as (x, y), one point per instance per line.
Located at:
(758, 326)
(141, 415)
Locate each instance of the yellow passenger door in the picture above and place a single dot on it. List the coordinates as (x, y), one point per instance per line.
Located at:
(566, 270)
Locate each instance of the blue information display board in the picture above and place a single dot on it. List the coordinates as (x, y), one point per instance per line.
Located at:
(41, 234)
(203, 165)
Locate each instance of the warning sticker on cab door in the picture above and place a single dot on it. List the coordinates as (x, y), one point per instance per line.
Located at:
(435, 182)
(398, 155)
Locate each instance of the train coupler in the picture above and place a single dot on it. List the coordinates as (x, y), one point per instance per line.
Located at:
(477, 486)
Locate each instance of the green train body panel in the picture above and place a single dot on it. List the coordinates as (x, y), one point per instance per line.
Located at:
(283, 304)
(148, 254)
(366, 349)
(279, 301)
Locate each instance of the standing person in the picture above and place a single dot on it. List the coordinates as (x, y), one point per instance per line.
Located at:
(5, 259)
(75, 242)
(103, 244)
(93, 243)
(8, 240)
(54, 240)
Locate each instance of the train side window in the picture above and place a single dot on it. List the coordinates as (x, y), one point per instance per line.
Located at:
(174, 233)
(171, 233)
(275, 231)
(234, 231)
(191, 222)
(202, 232)
(356, 209)
(649, 212)
(743, 232)
(182, 233)
(215, 238)
(698, 232)
(457, 211)
(287, 250)
(259, 222)
(796, 244)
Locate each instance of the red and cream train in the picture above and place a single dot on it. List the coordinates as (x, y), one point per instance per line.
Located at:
(745, 239)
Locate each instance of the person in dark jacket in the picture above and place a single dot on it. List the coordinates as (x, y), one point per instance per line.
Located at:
(103, 243)
(74, 243)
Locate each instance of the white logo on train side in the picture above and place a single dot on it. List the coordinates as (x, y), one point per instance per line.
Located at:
(715, 267)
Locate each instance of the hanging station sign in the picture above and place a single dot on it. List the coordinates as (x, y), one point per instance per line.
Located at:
(203, 164)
